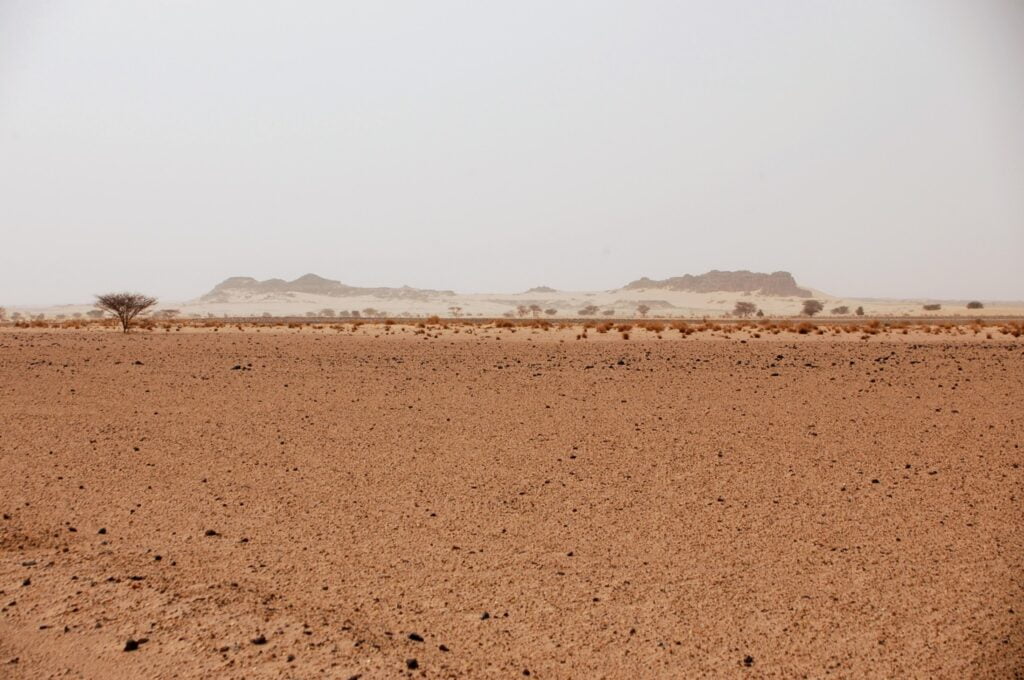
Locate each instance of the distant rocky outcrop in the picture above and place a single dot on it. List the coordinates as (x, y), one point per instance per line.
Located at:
(780, 284)
(231, 289)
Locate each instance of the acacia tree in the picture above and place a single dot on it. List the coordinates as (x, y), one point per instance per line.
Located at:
(125, 306)
(642, 310)
(535, 310)
(812, 307)
(744, 309)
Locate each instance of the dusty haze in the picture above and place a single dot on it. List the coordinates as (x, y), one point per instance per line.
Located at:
(874, 148)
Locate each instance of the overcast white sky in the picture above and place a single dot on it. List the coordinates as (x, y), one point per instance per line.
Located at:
(870, 147)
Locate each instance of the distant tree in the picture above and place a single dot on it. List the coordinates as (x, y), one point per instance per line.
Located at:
(125, 306)
(371, 312)
(455, 311)
(589, 310)
(859, 311)
(812, 307)
(17, 315)
(327, 312)
(841, 310)
(642, 309)
(551, 311)
(166, 313)
(509, 314)
(535, 310)
(3, 314)
(76, 315)
(608, 312)
(266, 315)
(759, 314)
(310, 315)
(522, 310)
(95, 314)
(932, 307)
(355, 314)
(744, 309)
(973, 304)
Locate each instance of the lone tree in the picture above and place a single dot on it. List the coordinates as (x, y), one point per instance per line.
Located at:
(841, 310)
(859, 311)
(812, 307)
(744, 309)
(589, 310)
(551, 311)
(535, 310)
(642, 310)
(125, 306)
(973, 304)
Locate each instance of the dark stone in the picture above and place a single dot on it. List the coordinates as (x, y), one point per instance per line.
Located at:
(412, 664)
(261, 640)
(748, 661)
(415, 637)
(211, 532)
(131, 645)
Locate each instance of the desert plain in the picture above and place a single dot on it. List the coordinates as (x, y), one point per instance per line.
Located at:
(380, 503)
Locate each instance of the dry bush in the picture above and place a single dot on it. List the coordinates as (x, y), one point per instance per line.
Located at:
(625, 335)
(932, 307)
(604, 327)
(624, 327)
(653, 326)
(975, 304)
(435, 319)
(503, 323)
(804, 328)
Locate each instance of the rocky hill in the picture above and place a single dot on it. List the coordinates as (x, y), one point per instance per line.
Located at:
(246, 287)
(781, 284)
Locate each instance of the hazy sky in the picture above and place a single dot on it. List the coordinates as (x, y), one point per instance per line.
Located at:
(870, 147)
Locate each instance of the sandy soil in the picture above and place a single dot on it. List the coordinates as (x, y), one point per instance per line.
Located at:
(302, 505)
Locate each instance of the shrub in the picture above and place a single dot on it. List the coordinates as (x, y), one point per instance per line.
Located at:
(841, 310)
(859, 311)
(589, 310)
(932, 307)
(974, 304)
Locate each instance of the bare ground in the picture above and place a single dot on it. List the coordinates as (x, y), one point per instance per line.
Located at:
(304, 505)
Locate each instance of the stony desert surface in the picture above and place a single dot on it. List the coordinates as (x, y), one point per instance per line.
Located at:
(293, 503)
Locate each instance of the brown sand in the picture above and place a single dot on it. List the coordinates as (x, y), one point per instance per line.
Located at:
(651, 508)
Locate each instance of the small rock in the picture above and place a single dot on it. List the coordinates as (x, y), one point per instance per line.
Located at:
(261, 640)
(415, 637)
(412, 664)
